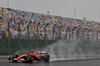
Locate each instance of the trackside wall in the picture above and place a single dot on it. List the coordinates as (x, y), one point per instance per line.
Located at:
(9, 48)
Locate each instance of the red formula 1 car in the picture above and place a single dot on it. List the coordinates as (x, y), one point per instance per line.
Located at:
(30, 57)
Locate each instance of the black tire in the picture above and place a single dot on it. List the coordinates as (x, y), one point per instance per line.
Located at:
(15, 61)
(14, 56)
(30, 58)
(9, 58)
(46, 57)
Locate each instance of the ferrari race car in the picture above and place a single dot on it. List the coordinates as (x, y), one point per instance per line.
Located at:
(30, 57)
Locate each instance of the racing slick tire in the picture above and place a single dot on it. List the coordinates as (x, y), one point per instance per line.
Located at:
(15, 61)
(9, 58)
(46, 57)
(30, 58)
(14, 56)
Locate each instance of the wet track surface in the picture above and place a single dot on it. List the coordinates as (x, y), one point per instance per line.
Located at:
(93, 62)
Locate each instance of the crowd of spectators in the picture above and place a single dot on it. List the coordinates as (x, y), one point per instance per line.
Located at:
(55, 27)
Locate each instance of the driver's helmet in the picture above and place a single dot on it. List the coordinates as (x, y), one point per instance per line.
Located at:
(31, 50)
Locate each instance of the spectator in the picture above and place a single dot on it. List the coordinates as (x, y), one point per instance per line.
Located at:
(17, 16)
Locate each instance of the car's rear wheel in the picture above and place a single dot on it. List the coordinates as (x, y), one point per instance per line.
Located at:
(46, 57)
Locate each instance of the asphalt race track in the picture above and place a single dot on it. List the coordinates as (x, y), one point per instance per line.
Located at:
(92, 62)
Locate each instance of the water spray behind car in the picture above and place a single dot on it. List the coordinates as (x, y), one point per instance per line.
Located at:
(72, 49)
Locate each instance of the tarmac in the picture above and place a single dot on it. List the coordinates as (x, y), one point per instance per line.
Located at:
(85, 62)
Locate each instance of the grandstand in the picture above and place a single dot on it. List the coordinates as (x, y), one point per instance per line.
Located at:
(23, 24)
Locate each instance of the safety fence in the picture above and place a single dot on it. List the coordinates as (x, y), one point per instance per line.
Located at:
(26, 30)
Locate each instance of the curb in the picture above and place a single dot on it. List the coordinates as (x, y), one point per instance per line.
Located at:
(4, 56)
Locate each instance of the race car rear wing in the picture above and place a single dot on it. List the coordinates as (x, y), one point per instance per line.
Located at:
(42, 52)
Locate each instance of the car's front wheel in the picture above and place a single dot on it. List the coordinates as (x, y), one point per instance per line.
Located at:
(14, 56)
(30, 58)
